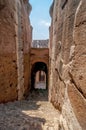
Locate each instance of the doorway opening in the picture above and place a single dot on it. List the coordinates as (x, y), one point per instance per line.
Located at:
(40, 80)
(39, 76)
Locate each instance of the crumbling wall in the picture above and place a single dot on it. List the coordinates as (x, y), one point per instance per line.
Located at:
(8, 66)
(13, 17)
(68, 62)
(27, 39)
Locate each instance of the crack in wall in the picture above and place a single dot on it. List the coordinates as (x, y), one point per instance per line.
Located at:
(81, 23)
(78, 88)
(60, 77)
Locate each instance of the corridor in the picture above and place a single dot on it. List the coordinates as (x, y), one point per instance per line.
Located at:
(42, 64)
(35, 113)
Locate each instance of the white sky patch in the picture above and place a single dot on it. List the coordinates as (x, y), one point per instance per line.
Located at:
(45, 23)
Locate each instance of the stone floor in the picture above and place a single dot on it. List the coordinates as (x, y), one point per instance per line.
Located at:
(40, 85)
(35, 113)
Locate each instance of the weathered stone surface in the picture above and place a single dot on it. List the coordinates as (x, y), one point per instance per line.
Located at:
(27, 39)
(68, 62)
(80, 48)
(15, 40)
(67, 78)
(8, 78)
(8, 66)
(78, 104)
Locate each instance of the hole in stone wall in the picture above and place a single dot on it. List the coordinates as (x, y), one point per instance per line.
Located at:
(11, 85)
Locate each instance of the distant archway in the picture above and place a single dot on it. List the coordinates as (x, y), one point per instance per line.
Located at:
(39, 73)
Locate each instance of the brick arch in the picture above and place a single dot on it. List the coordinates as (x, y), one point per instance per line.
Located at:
(39, 60)
(39, 55)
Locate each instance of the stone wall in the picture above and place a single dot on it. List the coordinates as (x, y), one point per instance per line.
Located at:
(68, 62)
(15, 40)
(27, 34)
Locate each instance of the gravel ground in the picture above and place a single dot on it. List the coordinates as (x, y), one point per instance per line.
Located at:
(34, 113)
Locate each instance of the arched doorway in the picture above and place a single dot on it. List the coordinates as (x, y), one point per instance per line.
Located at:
(39, 76)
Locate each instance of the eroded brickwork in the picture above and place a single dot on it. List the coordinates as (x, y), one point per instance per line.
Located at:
(15, 40)
(67, 51)
(68, 62)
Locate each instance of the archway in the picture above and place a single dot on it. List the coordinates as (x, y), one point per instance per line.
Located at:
(39, 74)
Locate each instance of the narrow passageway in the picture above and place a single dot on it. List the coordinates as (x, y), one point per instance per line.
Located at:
(42, 56)
(35, 113)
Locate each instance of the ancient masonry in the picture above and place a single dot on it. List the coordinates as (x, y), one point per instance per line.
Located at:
(65, 59)
(67, 81)
(15, 41)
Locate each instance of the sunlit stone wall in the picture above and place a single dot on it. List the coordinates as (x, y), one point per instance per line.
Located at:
(68, 62)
